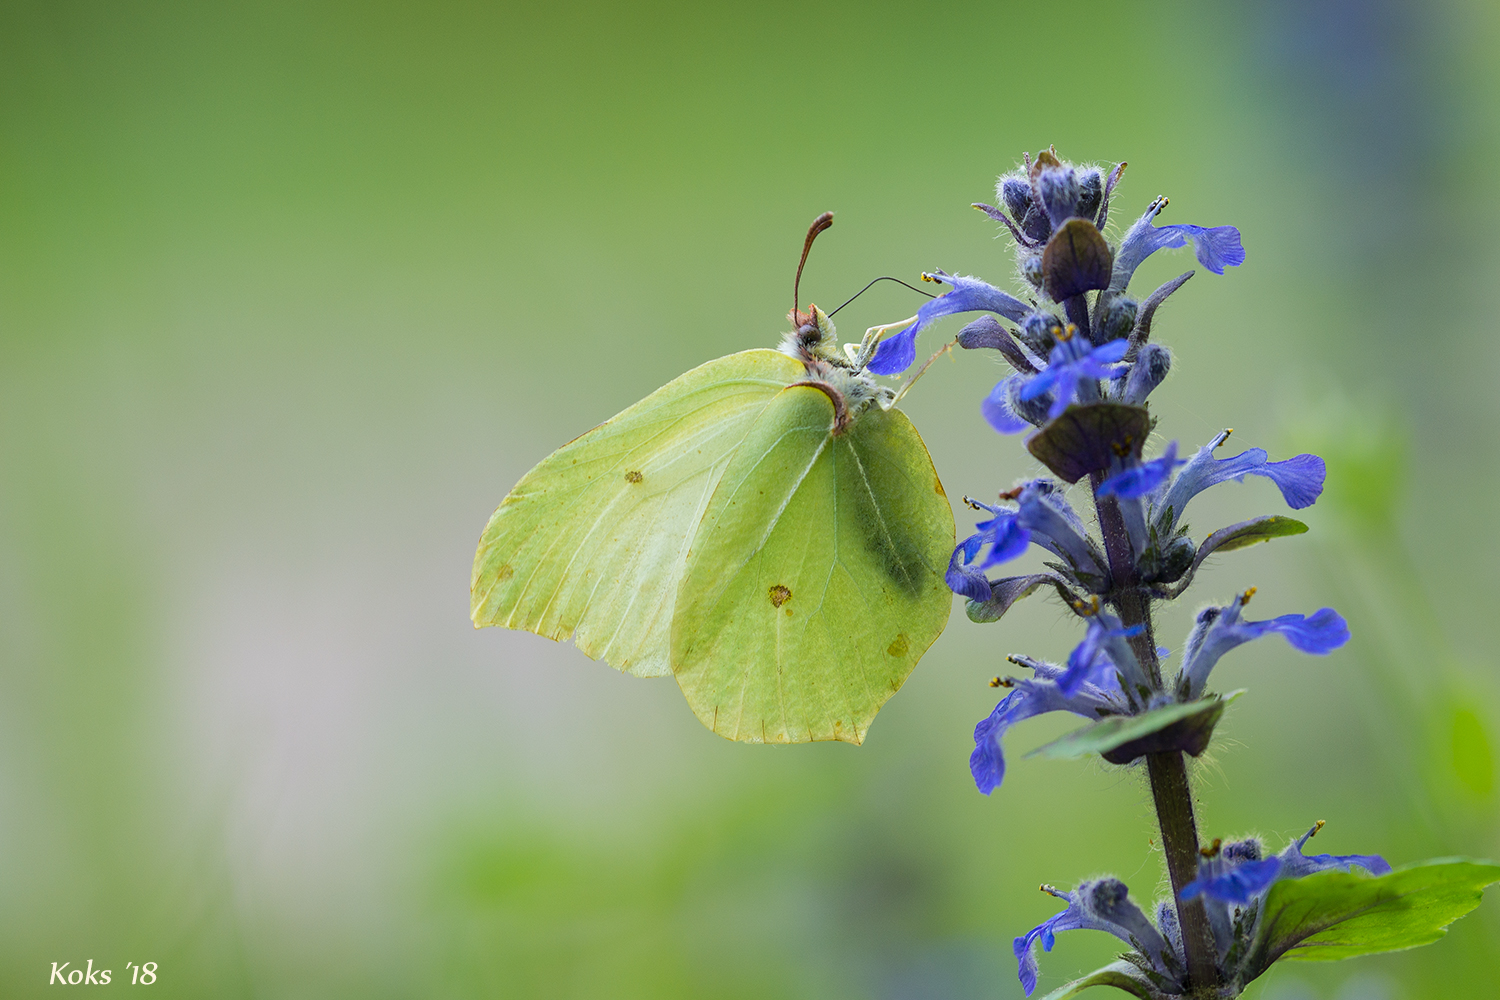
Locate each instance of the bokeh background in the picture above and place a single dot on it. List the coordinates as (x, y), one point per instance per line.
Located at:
(291, 294)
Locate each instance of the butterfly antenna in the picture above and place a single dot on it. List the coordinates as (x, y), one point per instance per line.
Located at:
(872, 285)
(819, 224)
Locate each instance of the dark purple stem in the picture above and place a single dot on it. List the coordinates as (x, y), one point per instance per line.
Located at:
(1170, 791)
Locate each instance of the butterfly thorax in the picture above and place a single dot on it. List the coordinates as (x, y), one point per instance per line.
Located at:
(814, 342)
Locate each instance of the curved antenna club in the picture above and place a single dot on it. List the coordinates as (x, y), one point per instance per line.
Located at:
(872, 284)
(819, 224)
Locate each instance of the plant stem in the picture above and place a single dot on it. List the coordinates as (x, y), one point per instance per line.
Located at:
(1179, 840)
(1170, 791)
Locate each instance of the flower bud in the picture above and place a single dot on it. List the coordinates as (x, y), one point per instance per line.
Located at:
(1060, 191)
(1148, 372)
(1090, 192)
(1166, 565)
(1118, 319)
(1031, 269)
(1104, 897)
(1039, 331)
(1033, 411)
(1016, 194)
(1240, 851)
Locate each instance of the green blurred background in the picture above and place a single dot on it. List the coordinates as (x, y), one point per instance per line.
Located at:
(291, 294)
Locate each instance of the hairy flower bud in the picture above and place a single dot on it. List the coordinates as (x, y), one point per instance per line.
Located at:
(1148, 372)
(1031, 270)
(1033, 411)
(1039, 331)
(1090, 192)
(1016, 194)
(1118, 318)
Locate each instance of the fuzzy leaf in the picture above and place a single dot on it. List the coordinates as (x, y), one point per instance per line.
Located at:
(1120, 975)
(1335, 915)
(1116, 731)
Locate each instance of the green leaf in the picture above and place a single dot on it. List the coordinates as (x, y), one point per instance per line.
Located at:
(1117, 731)
(1120, 975)
(1238, 536)
(1335, 915)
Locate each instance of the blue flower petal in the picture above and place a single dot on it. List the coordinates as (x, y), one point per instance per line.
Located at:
(1217, 247)
(1300, 479)
(1312, 864)
(1218, 630)
(1322, 632)
(987, 762)
(1100, 654)
(1032, 698)
(1070, 361)
(1067, 920)
(1141, 479)
(996, 409)
(1006, 537)
(962, 580)
(1237, 885)
(896, 353)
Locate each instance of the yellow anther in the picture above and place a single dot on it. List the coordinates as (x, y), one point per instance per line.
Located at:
(1065, 333)
(1000, 682)
(1316, 827)
(1212, 850)
(928, 277)
(1245, 597)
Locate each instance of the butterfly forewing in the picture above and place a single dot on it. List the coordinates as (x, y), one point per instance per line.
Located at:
(815, 582)
(593, 541)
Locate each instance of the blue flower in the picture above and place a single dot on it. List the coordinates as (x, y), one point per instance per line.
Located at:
(997, 410)
(1238, 874)
(1006, 538)
(1095, 694)
(1216, 247)
(1141, 478)
(1045, 512)
(1300, 479)
(1218, 630)
(1069, 364)
(1102, 904)
(896, 353)
(1042, 516)
(1103, 646)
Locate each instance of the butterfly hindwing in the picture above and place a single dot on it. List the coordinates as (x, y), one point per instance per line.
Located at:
(815, 582)
(593, 541)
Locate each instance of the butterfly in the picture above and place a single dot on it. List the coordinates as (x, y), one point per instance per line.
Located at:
(767, 528)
